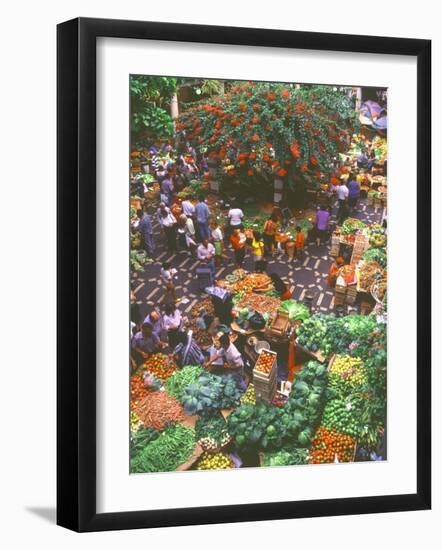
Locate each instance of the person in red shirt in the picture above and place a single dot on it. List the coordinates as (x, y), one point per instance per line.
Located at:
(238, 241)
(299, 242)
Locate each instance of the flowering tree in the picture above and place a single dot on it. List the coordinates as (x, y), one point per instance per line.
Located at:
(272, 130)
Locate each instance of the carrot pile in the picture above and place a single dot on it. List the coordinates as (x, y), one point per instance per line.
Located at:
(157, 409)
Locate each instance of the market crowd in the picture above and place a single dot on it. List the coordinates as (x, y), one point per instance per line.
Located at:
(190, 225)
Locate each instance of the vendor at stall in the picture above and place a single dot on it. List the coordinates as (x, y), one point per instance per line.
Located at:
(230, 358)
(283, 290)
(333, 271)
(145, 343)
(187, 351)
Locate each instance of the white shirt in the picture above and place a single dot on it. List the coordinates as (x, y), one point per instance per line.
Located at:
(231, 356)
(204, 252)
(235, 215)
(168, 220)
(172, 321)
(188, 208)
(342, 192)
(217, 234)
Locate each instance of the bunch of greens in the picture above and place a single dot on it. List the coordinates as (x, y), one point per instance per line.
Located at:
(141, 438)
(378, 255)
(176, 384)
(257, 427)
(296, 311)
(209, 393)
(286, 457)
(168, 451)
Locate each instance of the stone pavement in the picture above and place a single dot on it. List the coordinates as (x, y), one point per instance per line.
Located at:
(310, 273)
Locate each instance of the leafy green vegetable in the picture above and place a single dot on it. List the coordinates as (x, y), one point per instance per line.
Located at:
(214, 427)
(173, 447)
(177, 383)
(296, 311)
(211, 392)
(286, 457)
(378, 255)
(141, 438)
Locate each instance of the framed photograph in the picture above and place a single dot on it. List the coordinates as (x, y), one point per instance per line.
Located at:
(243, 274)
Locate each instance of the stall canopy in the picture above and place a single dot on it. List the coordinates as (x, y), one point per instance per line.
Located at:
(372, 114)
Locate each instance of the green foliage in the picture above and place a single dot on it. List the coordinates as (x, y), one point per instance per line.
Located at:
(168, 451)
(275, 129)
(266, 427)
(141, 438)
(176, 384)
(210, 393)
(150, 101)
(286, 457)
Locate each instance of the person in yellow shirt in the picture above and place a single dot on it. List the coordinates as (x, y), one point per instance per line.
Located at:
(258, 250)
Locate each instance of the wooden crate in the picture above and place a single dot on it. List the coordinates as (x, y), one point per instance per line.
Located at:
(335, 245)
(317, 355)
(279, 325)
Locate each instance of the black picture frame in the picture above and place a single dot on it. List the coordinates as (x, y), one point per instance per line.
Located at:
(76, 274)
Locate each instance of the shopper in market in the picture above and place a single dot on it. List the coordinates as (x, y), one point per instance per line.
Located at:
(299, 243)
(206, 254)
(269, 233)
(202, 215)
(322, 225)
(238, 241)
(354, 192)
(218, 242)
(168, 223)
(235, 216)
(257, 246)
(186, 233)
(188, 208)
(173, 323)
(167, 275)
(146, 229)
(167, 189)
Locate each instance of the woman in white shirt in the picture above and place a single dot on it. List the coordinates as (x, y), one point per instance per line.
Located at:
(218, 242)
(168, 222)
(235, 216)
(173, 322)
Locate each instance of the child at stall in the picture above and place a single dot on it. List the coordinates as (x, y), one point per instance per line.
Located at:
(257, 247)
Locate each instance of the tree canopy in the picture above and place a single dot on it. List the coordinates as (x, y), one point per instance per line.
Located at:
(265, 129)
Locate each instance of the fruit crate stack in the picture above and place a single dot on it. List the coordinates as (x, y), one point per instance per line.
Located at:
(335, 245)
(359, 247)
(264, 376)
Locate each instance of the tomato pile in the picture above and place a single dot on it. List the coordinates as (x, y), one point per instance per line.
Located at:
(137, 389)
(328, 445)
(161, 366)
(265, 362)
